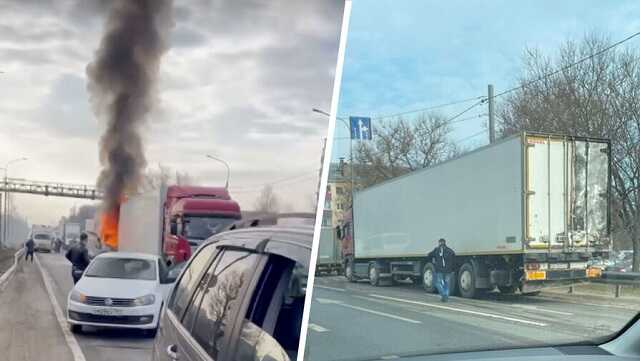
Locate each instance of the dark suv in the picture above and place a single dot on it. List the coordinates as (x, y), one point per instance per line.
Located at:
(240, 297)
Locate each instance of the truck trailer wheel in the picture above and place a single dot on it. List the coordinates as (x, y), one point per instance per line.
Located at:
(467, 281)
(348, 271)
(428, 278)
(374, 275)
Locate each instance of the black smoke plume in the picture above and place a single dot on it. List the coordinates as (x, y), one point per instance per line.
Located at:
(122, 80)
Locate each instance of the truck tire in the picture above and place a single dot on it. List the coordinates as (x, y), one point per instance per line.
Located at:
(348, 271)
(467, 281)
(374, 275)
(428, 277)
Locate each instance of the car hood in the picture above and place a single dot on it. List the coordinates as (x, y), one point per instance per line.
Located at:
(115, 287)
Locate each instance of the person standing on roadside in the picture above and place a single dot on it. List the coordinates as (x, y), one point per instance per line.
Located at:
(443, 260)
(29, 246)
(78, 255)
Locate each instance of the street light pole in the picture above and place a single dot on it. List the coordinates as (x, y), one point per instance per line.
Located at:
(346, 125)
(226, 184)
(6, 197)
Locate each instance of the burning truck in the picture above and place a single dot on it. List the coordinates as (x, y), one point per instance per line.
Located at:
(171, 221)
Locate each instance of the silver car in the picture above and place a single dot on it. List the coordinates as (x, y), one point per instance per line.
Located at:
(240, 297)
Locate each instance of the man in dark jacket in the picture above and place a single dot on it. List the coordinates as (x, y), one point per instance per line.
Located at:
(443, 260)
(78, 255)
(30, 245)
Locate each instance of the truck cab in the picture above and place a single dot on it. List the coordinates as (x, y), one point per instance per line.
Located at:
(193, 214)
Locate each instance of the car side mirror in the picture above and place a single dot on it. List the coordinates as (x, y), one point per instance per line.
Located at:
(172, 275)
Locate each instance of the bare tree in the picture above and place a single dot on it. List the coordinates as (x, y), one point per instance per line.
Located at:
(163, 176)
(401, 146)
(599, 97)
(184, 178)
(267, 201)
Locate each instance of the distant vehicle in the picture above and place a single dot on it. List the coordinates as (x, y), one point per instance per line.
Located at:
(174, 221)
(122, 290)
(240, 297)
(43, 237)
(329, 259)
(43, 242)
(547, 218)
(70, 233)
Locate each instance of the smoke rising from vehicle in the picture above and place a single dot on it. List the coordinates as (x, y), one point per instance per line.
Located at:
(122, 82)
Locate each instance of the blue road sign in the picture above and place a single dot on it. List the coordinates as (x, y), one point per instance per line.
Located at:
(360, 128)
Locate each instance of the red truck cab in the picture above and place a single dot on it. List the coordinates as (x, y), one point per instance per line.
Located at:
(193, 214)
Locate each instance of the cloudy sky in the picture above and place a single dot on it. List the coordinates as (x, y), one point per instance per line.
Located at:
(408, 54)
(239, 82)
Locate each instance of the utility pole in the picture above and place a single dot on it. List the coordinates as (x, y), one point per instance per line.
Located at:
(492, 124)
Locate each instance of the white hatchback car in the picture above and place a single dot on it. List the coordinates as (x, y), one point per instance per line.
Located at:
(121, 290)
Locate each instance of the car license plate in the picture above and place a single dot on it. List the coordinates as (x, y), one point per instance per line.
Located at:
(558, 265)
(107, 312)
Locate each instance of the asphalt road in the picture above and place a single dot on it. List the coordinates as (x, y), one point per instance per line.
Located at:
(96, 344)
(356, 321)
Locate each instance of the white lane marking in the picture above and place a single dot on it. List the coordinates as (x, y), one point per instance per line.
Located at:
(326, 300)
(389, 357)
(340, 303)
(461, 310)
(62, 321)
(379, 313)
(330, 288)
(317, 328)
(529, 307)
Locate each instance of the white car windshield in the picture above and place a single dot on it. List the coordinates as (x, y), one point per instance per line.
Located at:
(41, 237)
(126, 268)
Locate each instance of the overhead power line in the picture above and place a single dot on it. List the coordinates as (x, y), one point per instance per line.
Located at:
(472, 135)
(469, 118)
(451, 120)
(545, 76)
(432, 107)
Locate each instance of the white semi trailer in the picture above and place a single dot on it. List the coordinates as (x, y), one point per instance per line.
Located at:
(523, 213)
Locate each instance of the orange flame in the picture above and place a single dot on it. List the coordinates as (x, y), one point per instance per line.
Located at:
(109, 228)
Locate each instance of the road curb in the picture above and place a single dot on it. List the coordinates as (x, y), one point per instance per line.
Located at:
(62, 321)
(7, 275)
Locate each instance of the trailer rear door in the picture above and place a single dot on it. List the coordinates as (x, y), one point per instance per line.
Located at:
(566, 187)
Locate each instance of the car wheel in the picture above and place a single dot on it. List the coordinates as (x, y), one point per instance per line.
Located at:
(75, 328)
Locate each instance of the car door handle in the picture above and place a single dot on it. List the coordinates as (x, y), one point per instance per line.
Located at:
(172, 351)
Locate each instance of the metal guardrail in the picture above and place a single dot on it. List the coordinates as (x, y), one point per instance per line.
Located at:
(4, 278)
(619, 279)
